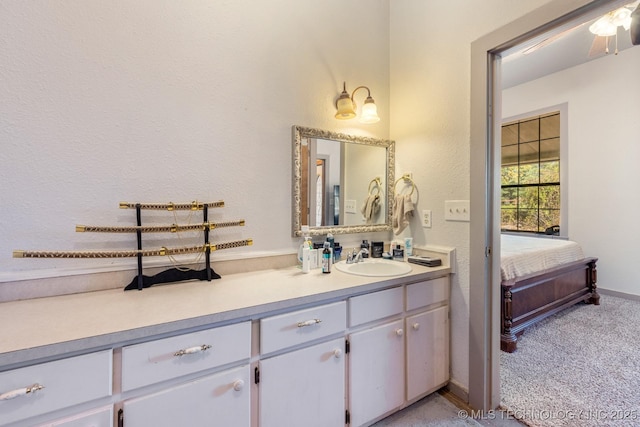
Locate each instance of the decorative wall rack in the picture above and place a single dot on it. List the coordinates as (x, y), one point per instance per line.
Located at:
(171, 275)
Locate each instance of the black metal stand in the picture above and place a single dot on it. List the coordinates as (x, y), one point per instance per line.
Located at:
(173, 274)
(139, 236)
(207, 248)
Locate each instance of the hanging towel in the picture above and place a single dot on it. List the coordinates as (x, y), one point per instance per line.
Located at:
(401, 213)
(371, 207)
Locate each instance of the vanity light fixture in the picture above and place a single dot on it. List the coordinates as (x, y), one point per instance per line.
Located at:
(347, 106)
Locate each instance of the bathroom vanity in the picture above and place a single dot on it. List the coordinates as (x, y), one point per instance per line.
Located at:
(266, 348)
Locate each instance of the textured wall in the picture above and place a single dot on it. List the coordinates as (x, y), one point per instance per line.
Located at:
(430, 99)
(158, 101)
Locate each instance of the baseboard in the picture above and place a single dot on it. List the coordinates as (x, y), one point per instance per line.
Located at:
(455, 391)
(618, 294)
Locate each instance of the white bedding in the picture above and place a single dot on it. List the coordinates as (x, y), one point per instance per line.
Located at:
(522, 255)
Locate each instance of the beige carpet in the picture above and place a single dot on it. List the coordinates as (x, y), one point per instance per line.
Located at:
(580, 367)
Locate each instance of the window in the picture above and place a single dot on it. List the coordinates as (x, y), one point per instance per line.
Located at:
(530, 174)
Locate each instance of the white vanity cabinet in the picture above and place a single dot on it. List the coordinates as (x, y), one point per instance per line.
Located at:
(302, 368)
(347, 351)
(47, 387)
(215, 399)
(427, 327)
(377, 355)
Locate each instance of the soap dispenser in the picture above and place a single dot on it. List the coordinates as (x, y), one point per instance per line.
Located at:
(306, 242)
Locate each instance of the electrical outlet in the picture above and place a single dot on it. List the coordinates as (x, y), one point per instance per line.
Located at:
(426, 218)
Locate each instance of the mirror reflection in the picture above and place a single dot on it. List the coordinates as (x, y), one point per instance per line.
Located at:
(342, 183)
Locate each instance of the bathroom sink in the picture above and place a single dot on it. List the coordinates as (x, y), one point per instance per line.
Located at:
(379, 267)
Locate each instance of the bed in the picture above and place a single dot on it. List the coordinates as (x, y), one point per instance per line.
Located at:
(540, 277)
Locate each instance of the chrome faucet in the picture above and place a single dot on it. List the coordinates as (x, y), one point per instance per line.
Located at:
(358, 256)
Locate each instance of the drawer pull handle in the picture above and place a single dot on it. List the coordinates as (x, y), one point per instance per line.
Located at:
(416, 326)
(399, 332)
(337, 353)
(238, 385)
(308, 323)
(20, 392)
(192, 350)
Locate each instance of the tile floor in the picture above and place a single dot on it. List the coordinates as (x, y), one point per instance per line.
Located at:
(443, 409)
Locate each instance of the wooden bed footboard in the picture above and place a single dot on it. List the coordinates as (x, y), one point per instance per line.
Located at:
(529, 299)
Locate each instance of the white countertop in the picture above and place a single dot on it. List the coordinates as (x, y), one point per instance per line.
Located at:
(42, 328)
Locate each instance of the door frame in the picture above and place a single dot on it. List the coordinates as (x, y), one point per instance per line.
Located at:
(486, 118)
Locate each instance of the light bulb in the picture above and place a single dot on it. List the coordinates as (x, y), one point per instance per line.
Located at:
(369, 113)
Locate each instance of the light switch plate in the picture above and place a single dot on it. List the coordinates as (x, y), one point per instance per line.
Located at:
(457, 210)
(350, 206)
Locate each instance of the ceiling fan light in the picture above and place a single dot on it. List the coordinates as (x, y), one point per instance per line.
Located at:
(603, 27)
(621, 17)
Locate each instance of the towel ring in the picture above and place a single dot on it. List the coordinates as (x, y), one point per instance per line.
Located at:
(377, 183)
(405, 177)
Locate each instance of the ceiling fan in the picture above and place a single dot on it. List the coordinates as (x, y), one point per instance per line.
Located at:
(627, 17)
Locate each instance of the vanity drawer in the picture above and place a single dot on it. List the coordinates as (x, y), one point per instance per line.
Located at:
(426, 293)
(374, 306)
(289, 329)
(101, 417)
(65, 383)
(159, 360)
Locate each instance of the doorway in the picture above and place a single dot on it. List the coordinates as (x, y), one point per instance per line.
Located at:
(486, 117)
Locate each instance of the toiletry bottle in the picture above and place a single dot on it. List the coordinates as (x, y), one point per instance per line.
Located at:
(331, 243)
(376, 249)
(365, 245)
(326, 258)
(330, 240)
(398, 253)
(313, 259)
(306, 259)
(408, 246)
(337, 252)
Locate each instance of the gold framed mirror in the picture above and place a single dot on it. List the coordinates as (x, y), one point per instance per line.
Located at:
(341, 183)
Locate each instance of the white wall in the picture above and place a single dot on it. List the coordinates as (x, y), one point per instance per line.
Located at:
(603, 111)
(158, 101)
(430, 121)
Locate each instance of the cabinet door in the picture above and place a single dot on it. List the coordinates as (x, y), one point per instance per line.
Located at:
(427, 351)
(221, 399)
(305, 387)
(376, 372)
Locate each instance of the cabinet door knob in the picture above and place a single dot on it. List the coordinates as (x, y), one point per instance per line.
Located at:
(20, 392)
(337, 353)
(238, 385)
(416, 326)
(308, 323)
(191, 350)
(399, 332)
